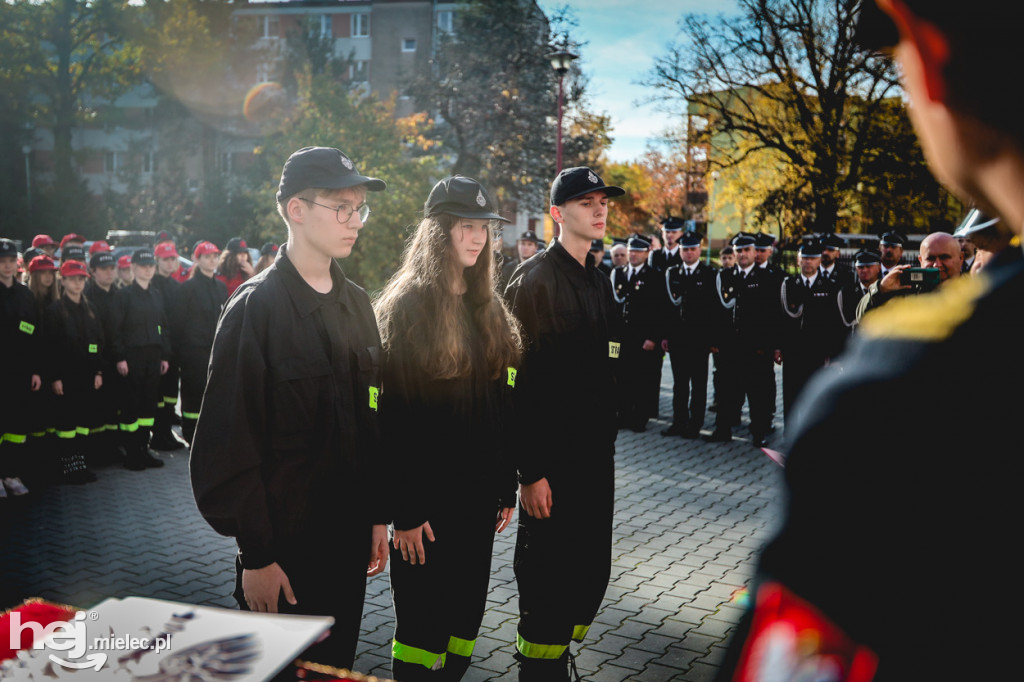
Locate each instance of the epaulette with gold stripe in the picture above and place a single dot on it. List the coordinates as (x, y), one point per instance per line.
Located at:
(929, 317)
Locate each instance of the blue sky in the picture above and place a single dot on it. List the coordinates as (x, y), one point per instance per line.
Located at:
(623, 40)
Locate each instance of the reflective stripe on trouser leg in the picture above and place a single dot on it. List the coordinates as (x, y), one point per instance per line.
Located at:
(16, 438)
(461, 647)
(539, 651)
(579, 632)
(410, 654)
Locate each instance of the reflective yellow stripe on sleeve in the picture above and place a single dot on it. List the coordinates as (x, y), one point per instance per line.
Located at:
(410, 654)
(545, 651)
(461, 647)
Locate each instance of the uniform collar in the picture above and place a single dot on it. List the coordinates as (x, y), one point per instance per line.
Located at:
(304, 297)
(569, 265)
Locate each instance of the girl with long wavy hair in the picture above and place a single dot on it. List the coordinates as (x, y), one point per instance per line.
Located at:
(451, 352)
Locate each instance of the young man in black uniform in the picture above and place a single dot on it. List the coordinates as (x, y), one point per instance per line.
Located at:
(566, 467)
(284, 452)
(640, 294)
(924, 506)
(693, 321)
(141, 352)
(668, 255)
(167, 264)
(20, 371)
(100, 291)
(815, 332)
(748, 346)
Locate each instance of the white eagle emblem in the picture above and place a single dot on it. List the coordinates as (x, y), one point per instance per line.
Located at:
(593, 178)
(480, 198)
(345, 161)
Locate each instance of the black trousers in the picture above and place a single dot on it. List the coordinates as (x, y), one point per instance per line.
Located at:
(439, 605)
(140, 389)
(798, 365)
(327, 572)
(195, 362)
(563, 563)
(747, 374)
(689, 382)
(638, 383)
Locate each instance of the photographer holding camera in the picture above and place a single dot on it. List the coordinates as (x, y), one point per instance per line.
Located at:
(939, 251)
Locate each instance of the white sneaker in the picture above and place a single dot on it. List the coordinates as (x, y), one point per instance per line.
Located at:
(15, 486)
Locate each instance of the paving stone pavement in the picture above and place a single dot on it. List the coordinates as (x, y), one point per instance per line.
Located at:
(690, 518)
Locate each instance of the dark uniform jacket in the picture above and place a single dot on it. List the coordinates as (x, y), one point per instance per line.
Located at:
(138, 319)
(446, 441)
(20, 331)
(816, 327)
(74, 341)
(572, 342)
(695, 311)
(103, 303)
(287, 438)
(913, 499)
(661, 259)
(194, 318)
(754, 319)
(841, 274)
(642, 305)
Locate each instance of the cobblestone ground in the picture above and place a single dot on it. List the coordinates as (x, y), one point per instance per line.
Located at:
(690, 519)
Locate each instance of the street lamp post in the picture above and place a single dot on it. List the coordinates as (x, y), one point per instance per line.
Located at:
(27, 150)
(560, 61)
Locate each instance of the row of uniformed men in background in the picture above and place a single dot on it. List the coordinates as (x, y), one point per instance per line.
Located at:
(750, 315)
(100, 345)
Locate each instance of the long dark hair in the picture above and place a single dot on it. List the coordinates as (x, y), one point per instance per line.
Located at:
(430, 271)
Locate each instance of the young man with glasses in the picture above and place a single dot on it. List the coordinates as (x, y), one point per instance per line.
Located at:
(289, 415)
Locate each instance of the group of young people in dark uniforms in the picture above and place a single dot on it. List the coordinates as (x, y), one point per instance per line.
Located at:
(104, 343)
(748, 316)
(329, 418)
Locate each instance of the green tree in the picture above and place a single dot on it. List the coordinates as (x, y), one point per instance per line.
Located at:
(784, 80)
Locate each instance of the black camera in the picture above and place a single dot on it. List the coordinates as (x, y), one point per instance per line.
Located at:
(920, 279)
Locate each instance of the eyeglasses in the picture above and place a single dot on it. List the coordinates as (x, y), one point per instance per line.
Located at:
(344, 212)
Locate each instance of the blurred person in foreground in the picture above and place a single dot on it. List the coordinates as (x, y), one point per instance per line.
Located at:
(882, 547)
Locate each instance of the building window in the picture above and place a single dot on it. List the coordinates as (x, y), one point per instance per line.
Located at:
(271, 26)
(359, 71)
(111, 162)
(408, 44)
(326, 22)
(149, 162)
(361, 25)
(446, 21)
(224, 162)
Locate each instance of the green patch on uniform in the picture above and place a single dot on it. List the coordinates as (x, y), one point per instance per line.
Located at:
(461, 647)
(26, 327)
(613, 349)
(159, 329)
(542, 651)
(410, 654)
(512, 377)
(93, 348)
(929, 317)
(374, 393)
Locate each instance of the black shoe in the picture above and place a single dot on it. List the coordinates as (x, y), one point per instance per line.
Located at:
(719, 436)
(713, 407)
(690, 432)
(150, 460)
(673, 431)
(134, 463)
(638, 427)
(758, 440)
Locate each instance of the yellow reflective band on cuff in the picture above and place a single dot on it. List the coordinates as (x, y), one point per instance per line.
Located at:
(160, 405)
(145, 421)
(579, 632)
(17, 438)
(66, 434)
(190, 415)
(170, 401)
(132, 428)
(461, 647)
(545, 651)
(410, 654)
